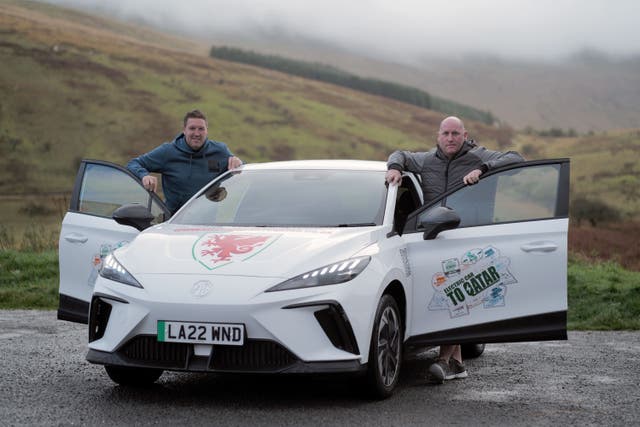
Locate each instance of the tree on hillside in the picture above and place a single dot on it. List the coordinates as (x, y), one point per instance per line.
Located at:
(593, 210)
(330, 74)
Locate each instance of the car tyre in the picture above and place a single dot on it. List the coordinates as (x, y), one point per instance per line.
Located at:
(471, 351)
(136, 377)
(385, 352)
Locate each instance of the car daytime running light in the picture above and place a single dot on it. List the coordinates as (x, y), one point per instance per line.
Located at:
(331, 274)
(111, 269)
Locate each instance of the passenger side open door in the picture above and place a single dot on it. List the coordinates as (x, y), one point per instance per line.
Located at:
(490, 260)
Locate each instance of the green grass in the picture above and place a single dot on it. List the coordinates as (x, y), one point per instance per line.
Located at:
(28, 280)
(602, 296)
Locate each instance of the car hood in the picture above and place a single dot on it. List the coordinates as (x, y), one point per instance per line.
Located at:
(246, 251)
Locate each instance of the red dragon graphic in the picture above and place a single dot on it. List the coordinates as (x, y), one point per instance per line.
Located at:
(221, 247)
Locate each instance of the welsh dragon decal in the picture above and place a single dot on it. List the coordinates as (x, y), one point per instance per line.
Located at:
(217, 250)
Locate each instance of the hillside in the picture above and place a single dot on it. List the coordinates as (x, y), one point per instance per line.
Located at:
(604, 167)
(587, 91)
(335, 76)
(74, 85)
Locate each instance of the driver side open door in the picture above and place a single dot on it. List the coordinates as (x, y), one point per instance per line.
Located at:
(89, 232)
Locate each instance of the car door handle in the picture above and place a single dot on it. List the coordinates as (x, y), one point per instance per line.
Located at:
(539, 247)
(76, 238)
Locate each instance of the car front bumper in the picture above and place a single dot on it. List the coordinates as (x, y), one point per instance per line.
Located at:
(298, 331)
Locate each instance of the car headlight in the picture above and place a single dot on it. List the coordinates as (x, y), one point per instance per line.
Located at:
(111, 269)
(331, 274)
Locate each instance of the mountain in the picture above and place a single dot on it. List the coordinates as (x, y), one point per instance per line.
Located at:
(588, 91)
(75, 85)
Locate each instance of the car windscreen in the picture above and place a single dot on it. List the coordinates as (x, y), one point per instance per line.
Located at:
(291, 198)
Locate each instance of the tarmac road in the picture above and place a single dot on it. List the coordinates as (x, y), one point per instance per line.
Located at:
(590, 379)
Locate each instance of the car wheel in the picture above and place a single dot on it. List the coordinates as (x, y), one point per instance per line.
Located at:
(471, 351)
(385, 353)
(133, 376)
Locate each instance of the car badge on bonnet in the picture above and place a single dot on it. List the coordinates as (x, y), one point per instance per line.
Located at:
(201, 288)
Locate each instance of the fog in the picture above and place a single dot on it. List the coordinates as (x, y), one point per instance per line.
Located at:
(402, 30)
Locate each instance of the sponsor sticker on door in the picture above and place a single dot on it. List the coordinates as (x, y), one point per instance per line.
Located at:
(478, 277)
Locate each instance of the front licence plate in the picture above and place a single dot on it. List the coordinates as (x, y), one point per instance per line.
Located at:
(201, 333)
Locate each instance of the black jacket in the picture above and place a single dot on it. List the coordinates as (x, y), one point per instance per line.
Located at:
(440, 174)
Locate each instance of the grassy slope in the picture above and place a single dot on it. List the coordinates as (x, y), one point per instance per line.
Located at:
(77, 86)
(70, 90)
(603, 166)
(74, 85)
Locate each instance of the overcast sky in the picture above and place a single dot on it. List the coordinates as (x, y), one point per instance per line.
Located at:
(401, 29)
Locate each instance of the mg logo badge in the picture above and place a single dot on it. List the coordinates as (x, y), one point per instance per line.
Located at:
(201, 288)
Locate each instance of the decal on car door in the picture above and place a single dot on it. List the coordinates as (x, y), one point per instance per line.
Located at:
(478, 277)
(217, 250)
(96, 259)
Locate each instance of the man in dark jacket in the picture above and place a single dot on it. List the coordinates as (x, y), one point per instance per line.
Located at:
(454, 159)
(186, 164)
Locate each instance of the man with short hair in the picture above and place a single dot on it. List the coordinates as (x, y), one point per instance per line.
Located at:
(454, 159)
(187, 163)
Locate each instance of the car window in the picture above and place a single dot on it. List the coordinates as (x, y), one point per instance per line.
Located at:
(104, 189)
(303, 198)
(523, 194)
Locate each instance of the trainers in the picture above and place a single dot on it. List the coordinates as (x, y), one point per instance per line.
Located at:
(440, 370)
(456, 370)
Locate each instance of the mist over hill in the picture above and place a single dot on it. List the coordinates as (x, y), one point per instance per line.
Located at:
(75, 85)
(586, 91)
(539, 63)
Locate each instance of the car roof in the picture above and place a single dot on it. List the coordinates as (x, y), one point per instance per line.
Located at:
(364, 165)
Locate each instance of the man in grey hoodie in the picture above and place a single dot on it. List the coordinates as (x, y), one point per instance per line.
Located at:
(454, 159)
(187, 163)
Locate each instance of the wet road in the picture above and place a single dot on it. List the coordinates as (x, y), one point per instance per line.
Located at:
(590, 379)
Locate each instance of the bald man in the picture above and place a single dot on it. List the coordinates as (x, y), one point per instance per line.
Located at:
(454, 160)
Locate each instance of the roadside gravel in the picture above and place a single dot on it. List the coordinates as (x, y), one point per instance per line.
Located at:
(591, 379)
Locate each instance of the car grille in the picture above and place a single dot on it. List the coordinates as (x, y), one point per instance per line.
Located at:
(147, 349)
(253, 356)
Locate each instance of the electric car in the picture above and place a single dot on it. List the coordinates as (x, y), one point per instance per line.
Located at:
(313, 266)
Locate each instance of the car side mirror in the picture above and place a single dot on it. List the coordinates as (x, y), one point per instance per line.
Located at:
(133, 214)
(438, 219)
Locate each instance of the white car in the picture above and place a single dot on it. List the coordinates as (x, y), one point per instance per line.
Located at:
(311, 267)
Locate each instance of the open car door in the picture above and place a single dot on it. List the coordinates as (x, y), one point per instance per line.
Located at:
(89, 232)
(500, 274)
